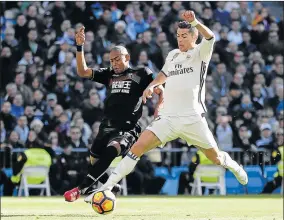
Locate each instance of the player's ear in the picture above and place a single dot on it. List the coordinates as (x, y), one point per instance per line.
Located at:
(127, 57)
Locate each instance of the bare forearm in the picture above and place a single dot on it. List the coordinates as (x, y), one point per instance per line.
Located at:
(159, 80)
(205, 31)
(82, 69)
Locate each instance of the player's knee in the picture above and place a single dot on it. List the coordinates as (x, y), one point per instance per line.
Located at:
(114, 147)
(138, 149)
(217, 160)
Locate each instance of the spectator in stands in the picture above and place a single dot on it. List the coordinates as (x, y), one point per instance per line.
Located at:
(278, 68)
(273, 46)
(22, 129)
(38, 126)
(120, 36)
(235, 96)
(10, 40)
(7, 63)
(32, 141)
(3, 132)
(54, 142)
(243, 138)
(11, 91)
(139, 25)
(258, 96)
(277, 102)
(32, 44)
(222, 78)
(24, 89)
(235, 35)
(13, 141)
(101, 43)
(224, 133)
(63, 126)
(51, 99)
(37, 85)
(84, 129)
(21, 29)
(39, 104)
(207, 17)
(76, 138)
(211, 88)
(266, 137)
(17, 109)
(238, 59)
(246, 46)
(8, 119)
(222, 15)
(63, 91)
(92, 110)
(144, 61)
(29, 113)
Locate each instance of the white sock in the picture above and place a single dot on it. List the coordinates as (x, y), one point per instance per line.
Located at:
(125, 166)
(227, 162)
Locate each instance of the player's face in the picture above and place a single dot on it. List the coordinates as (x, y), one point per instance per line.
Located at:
(118, 61)
(185, 39)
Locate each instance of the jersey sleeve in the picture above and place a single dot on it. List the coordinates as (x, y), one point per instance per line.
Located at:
(101, 75)
(164, 70)
(148, 77)
(206, 48)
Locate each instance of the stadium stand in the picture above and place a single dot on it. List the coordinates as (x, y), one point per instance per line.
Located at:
(42, 97)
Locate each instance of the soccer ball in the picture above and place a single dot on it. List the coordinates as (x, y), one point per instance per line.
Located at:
(103, 202)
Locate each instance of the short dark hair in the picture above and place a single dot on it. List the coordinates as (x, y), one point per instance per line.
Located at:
(186, 25)
(121, 49)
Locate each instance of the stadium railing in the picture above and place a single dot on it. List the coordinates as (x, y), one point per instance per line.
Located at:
(259, 157)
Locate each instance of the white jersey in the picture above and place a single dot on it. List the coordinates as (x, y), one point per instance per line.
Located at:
(184, 93)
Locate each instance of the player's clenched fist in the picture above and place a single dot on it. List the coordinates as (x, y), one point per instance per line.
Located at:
(148, 93)
(80, 36)
(188, 16)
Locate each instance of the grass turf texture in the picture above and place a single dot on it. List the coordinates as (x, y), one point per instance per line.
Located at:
(148, 208)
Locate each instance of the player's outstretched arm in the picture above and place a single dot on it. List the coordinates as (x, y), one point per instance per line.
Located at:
(159, 80)
(82, 69)
(159, 90)
(189, 16)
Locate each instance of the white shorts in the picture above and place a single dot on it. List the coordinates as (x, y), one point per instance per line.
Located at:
(171, 128)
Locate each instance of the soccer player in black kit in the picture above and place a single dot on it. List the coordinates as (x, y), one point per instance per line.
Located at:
(123, 108)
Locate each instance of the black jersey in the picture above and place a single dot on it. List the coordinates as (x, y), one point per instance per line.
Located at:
(123, 104)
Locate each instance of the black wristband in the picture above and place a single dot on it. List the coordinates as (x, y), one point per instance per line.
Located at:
(79, 48)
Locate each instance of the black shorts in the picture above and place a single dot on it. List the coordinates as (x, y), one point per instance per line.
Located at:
(107, 134)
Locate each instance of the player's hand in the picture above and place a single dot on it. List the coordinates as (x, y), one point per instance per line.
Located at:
(188, 16)
(80, 36)
(147, 94)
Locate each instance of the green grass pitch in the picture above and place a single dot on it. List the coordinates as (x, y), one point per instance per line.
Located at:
(148, 208)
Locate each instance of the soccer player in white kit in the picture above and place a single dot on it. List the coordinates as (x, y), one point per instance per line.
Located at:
(182, 115)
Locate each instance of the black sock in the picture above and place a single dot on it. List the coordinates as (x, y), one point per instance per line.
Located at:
(103, 179)
(98, 168)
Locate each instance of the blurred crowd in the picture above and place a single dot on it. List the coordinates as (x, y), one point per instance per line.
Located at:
(45, 104)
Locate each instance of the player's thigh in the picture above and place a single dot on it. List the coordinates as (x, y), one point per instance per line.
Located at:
(123, 141)
(146, 142)
(99, 144)
(200, 135)
(164, 128)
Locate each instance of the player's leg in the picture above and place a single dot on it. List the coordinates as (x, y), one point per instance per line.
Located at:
(160, 132)
(101, 164)
(100, 158)
(146, 142)
(200, 135)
